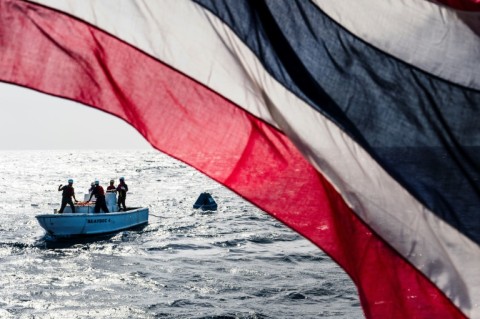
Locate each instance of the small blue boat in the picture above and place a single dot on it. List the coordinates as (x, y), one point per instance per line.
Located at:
(86, 222)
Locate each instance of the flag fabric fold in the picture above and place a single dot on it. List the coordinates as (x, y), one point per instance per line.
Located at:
(364, 139)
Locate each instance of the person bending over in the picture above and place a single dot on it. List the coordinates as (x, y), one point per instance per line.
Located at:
(100, 195)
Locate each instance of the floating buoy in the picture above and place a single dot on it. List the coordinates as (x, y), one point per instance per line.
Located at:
(205, 202)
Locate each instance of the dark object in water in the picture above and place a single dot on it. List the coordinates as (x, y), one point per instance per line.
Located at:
(206, 202)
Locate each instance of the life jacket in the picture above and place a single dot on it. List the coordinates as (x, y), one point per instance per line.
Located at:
(122, 188)
(68, 191)
(98, 191)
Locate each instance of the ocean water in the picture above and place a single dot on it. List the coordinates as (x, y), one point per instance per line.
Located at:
(237, 262)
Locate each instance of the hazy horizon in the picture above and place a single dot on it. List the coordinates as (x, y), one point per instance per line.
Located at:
(36, 121)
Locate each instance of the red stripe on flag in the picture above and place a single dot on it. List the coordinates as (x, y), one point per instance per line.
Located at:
(53, 53)
(466, 5)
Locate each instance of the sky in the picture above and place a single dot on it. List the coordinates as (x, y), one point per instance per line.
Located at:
(31, 120)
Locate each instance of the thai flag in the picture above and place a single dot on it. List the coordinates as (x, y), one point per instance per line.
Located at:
(356, 123)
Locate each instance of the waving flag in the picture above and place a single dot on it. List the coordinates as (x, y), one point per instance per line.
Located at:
(353, 122)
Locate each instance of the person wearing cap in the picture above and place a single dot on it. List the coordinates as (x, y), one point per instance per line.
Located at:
(99, 193)
(68, 193)
(122, 190)
(111, 188)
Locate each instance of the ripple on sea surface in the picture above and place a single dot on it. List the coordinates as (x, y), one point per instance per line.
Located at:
(236, 262)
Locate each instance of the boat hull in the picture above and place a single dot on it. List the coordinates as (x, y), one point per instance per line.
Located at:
(79, 224)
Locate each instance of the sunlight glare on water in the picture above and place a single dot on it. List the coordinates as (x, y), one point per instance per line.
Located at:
(237, 262)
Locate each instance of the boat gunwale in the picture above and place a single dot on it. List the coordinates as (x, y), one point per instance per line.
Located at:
(71, 215)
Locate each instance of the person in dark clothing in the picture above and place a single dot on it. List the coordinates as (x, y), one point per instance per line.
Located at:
(100, 195)
(92, 186)
(68, 193)
(122, 190)
(111, 188)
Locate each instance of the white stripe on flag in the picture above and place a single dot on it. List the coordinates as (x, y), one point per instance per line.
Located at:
(436, 39)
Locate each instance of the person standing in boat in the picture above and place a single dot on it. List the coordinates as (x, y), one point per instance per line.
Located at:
(68, 193)
(122, 190)
(99, 193)
(111, 188)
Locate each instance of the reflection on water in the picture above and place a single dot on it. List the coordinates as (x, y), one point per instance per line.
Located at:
(236, 262)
